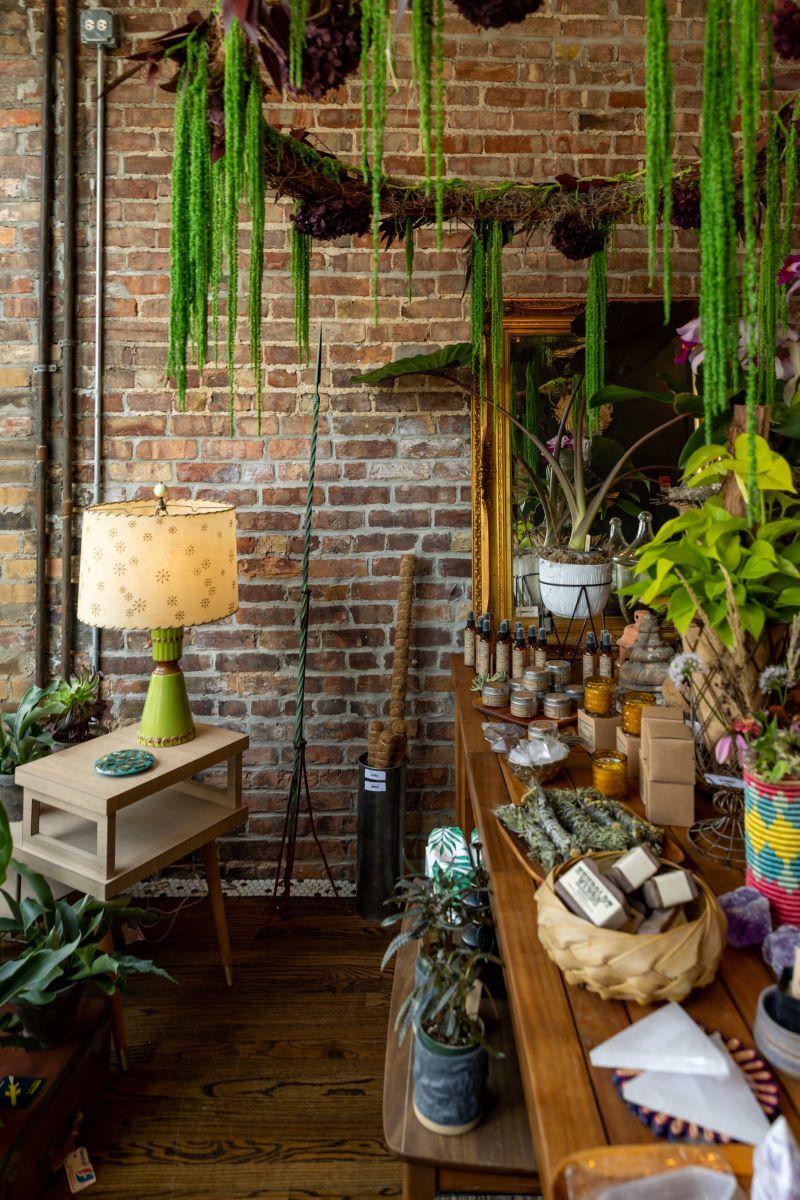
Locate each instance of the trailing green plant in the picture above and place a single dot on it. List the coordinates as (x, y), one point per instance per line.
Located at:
(234, 101)
(375, 52)
(774, 753)
(79, 707)
(24, 735)
(595, 335)
(658, 141)
(488, 240)
(180, 293)
(256, 198)
(217, 240)
(62, 947)
(300, 256)
(297, 42)
(718, 293)
(408, 250)
(790, 177)
(747, 15)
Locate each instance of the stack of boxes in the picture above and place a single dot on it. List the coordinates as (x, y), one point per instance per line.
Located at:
(666, 767)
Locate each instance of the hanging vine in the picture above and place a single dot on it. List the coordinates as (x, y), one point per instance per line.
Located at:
(658, 143)
(234, 85)
(595, 333)
(180, 294)
(256, 198)
(718, 296)
(300, 256)
(478, 304)
(297, 42)
(408, 248)
(217, 240)
(494, 291)
(375, 51)
(790, 160)
(200, 199)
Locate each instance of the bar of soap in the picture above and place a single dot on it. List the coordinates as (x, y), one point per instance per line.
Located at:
(659, 921)
(590, 895)
(669, 889)
(634, 868)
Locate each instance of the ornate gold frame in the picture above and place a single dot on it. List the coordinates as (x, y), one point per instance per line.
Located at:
(492, 589)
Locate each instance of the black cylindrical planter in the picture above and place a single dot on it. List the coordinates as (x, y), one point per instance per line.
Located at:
(381, 830)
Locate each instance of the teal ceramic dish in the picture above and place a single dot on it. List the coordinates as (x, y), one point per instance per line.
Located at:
(124, 762)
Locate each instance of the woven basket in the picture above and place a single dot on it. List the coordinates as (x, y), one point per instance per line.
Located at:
(533, 773)
(624, 966)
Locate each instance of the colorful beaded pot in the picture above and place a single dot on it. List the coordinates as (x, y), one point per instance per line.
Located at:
(772, 843)
(757, 1073)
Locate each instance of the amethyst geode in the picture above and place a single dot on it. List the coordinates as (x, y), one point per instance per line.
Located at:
(749, 918)
(779, 948)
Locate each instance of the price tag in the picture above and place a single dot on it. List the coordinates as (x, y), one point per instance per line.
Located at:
(373, 785)
(372, 774)
(80, 1173)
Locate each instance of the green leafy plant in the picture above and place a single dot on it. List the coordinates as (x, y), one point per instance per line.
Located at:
(707, 564)
(62, 947)
(429, 910)
(80, 707)
(774, 754)
(23, 734)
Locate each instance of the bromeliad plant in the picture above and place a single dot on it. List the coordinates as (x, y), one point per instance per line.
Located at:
(80, 707)
(24, 734)
(61, 947)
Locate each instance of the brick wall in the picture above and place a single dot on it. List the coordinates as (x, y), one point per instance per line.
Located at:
(561, 92)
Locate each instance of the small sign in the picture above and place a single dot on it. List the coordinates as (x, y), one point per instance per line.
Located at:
(18, 1091)
(80, 1173)
(372, 774)
(373, 785)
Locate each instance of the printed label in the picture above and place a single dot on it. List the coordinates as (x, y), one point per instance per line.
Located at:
(80, 1173)
(372, 785)
(371, 773)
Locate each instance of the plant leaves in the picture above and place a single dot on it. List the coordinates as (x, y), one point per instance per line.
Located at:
(458, 355)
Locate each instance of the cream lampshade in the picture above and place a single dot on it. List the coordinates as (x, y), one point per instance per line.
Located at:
(159, 564)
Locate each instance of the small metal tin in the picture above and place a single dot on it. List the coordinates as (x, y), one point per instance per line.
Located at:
(495, 695)
(536, 680)
(521, 704)
(542, 728)
(575, 691)
(556, 705)
(559, 673)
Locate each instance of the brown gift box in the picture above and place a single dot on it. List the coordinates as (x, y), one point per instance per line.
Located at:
(630, 745)
(659, 712)
(670, 760)
(598, 733)
(668, 803)
(657, 731)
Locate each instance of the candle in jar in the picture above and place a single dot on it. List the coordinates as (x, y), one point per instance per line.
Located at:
(597, 693)
(632, 705)
(610, 773)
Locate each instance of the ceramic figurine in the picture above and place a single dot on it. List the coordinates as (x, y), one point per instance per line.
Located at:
(648, 662)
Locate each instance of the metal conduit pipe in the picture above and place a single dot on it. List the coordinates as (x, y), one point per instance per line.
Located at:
(100, 142)
(43, 366)
(68, 343)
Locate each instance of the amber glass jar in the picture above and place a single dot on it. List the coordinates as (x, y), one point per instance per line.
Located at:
(597, 695)
(632, 705)
(610, 773)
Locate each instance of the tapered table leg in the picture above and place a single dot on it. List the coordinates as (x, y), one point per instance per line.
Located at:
(211, 864)
(419, 1182)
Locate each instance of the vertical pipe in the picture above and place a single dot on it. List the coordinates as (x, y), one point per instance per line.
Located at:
(100, 142)
(44, 338)
(68, 354)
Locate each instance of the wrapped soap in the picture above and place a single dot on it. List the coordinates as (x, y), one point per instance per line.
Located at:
(670, 888)
(749, 917)
(633, 869)
(779, 948)
(776, 1164)
(659, 920)
(590, 895)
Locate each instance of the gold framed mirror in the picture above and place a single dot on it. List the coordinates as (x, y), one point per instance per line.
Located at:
(548, 332)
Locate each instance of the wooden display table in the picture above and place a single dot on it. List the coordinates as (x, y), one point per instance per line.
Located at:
(101, 835)
(573, 1106)
(496, 1157)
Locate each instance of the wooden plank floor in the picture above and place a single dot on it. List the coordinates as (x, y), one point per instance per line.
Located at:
(271, 1088)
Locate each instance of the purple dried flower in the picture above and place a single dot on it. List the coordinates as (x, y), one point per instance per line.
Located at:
(785, 19)
(326, 220)
(577, 237)
(492, 14)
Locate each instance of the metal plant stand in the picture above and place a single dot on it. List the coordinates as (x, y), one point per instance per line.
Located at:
(721, 837)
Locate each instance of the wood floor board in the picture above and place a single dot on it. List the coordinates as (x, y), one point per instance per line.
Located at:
(270, 1089)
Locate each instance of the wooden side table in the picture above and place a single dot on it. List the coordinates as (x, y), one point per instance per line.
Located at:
(101, 835)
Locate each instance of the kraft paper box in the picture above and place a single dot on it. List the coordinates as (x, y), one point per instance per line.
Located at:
(655, 731)
(630, 745)
(598, 733)
(655, 713)
(668, 803)
(670, 760)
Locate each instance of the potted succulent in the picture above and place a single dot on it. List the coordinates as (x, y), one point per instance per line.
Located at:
(24, 737)
(62, 954)
(80, 708)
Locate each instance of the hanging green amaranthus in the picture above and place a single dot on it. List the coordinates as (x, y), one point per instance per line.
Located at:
(790, 178)
(494, 290)
(529, 451)
(375, 41)
(422, 19)
(747, 15)
(300, 247)
(438, 103)
(234, 100)
(408, 247)
(658, 142)
(718, 294)
(595, 332)
(256, 198)
(180, 293)
(767, 310)
(478, 304)
(297, 42)
(217, 240)
(200, 197)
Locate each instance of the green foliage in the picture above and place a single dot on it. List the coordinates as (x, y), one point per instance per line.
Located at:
(300, 257)
(494, 289)
(23, 734)
(180, 292)
(767, 304)
(217, 240)
(79, 706)
(234, 100)
(747, 20)
(658, 140)
(458, 355)
(256, 199)
(408, 248)
(200, 196)
(375, 50)
(706, 557)
(718, 294)
(774, 754)
(297, 42)
(478, 304)
(595, 345)
(790, 172)
(422, 20)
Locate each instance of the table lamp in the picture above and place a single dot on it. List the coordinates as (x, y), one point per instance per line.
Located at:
(161, 565)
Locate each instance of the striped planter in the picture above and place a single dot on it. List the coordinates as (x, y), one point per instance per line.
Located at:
(772, 843)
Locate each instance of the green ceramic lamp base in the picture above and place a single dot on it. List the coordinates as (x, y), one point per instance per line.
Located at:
(166, 716)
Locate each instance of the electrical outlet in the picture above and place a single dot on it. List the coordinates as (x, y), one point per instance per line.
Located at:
(99, 27)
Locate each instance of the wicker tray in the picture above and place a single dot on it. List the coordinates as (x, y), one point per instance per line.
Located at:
(626, 966)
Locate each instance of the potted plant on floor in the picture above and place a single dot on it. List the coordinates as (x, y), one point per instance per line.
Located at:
(61, 955)
(81, 708)
(24, 737)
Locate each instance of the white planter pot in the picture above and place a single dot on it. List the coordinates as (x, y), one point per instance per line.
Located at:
(561, 582)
